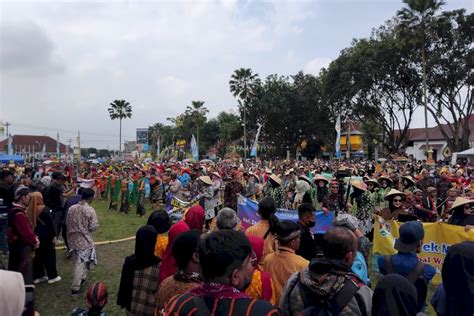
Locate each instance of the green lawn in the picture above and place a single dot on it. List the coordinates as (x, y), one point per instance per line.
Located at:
(55, 299)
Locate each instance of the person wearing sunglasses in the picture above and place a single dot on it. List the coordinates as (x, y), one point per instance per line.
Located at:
(395, 207)
(462, 212)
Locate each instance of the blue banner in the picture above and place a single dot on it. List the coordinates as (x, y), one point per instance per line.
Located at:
(247, 210)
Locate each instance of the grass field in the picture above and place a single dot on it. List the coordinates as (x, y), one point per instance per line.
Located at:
(55, 299)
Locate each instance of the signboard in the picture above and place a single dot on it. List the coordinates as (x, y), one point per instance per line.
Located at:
(142, 138)
(181, 143)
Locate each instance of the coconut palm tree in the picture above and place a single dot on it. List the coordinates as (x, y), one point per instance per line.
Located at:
(120, 109)
(242, 85)
(198, 112)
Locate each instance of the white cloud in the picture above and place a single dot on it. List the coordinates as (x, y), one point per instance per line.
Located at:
(315, 65)
(157, 55)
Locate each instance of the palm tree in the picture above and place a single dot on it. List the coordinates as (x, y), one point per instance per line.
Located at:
(416, 15)
(198, 112)
(120, 109)
(242, 85)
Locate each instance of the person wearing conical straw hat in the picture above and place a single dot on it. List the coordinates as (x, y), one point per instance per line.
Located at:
(408, 184)
(443, 184)
(362, 207)
(208, 194)
(274, 190)
(385, 186)
(462, 212)
(395, 200)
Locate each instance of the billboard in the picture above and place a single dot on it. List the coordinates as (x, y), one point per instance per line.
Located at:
(142, 139)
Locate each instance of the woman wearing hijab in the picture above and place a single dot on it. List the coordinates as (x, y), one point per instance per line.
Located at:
(45, 255)
(160, 220)
(194, 217)
(320, 191)
(139, 280)
(168, 264)
(261, 287)
(462, 212)
(455, 297)
(394, 296)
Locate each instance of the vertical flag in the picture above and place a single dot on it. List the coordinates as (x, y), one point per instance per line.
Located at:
(338, 137)
(43, 150)
(194, 148)
(57, 146)
(10, 145)
(2, 130)
(253, 151)
(158, 147)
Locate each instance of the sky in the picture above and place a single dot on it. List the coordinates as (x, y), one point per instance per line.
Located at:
(63, 62)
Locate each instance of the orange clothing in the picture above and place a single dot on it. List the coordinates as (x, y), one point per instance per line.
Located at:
(255, 289)
(160, 246)
(259, 230)
(281, 265)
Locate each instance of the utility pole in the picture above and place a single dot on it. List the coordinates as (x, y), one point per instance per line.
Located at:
(6, 126)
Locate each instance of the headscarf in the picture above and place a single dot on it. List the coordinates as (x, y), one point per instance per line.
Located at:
(257, 245)
(35, 207)
(458, 279)
(12, 293)
(143, 258)
(394, 295)
(168, 264)
(194, 217)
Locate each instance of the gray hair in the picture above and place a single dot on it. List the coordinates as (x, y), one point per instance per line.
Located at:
(227, 219)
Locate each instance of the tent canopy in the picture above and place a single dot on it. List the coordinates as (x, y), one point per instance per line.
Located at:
(467, 152)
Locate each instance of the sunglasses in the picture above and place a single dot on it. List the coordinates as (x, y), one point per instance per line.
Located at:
(334, 187)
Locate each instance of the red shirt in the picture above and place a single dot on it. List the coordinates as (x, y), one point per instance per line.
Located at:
(21, 230)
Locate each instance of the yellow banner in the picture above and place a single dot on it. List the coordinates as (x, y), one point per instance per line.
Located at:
(438, 237)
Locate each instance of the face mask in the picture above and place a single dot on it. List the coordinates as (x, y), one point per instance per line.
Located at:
(310, 224)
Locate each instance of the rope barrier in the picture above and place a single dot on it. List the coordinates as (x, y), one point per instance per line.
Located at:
(106, 242)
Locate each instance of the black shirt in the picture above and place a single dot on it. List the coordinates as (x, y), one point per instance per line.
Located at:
(308, 248)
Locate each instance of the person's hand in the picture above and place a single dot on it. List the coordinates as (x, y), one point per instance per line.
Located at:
(468, 228)
(55, 241)
(36, 244)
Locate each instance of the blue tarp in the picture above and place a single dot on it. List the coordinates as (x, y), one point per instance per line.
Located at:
(8, 158)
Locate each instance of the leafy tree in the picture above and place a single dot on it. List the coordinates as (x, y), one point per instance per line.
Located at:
(243, 84)
(103, 153)
(120, 109)
(450, 77)
(166, 134)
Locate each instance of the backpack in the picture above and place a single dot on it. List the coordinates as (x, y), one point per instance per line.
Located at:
(415, 277)
(317, 307)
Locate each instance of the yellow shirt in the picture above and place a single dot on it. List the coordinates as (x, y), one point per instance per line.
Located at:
(281, 265)
(160, 246)
(259, 230)
(255, 289)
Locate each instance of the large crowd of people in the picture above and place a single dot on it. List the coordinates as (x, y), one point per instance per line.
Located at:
(206, 264)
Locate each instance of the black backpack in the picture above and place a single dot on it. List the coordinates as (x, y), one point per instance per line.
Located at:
(415, 277)
(318, 307)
